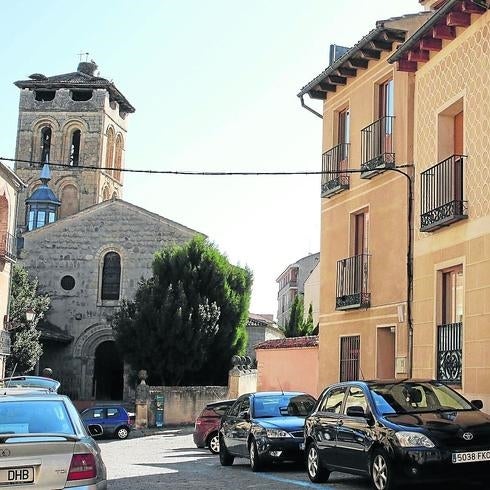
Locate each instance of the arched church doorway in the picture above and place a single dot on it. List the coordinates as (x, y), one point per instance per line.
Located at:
(108, 372)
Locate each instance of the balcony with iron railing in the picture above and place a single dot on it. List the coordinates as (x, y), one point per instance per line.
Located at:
(450, 353)
(352, 289)
(334, 163)
(442, 194)
(377, 148)
(8, 246)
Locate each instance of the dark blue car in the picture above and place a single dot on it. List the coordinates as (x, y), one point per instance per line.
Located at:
(265, 427)
(114, 420)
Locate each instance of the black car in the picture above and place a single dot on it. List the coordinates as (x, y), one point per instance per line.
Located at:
(397, 431)
(265, 427)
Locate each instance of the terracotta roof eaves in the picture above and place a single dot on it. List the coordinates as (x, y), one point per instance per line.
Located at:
(421, 31)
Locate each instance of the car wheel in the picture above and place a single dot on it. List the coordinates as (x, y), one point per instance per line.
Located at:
(122, 432)
(382, 476)
(316, 472)
(225, 458)
(256, 464)
(213, 443)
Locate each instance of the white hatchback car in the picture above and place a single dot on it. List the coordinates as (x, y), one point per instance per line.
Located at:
(43, 442)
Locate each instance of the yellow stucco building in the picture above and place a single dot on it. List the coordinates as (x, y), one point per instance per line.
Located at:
(450, 58)
(367, 127)
(10, 185)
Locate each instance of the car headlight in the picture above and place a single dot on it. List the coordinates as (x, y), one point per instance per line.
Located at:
(275, 433)
(413, 439)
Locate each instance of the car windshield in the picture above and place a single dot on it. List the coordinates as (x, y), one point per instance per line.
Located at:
(34, 416)
(415, 397)
(30, 382)
(283, 405)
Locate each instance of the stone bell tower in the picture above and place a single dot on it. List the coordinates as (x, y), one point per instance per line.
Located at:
(78, 119)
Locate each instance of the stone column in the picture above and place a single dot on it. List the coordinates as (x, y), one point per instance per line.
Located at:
(142, 401)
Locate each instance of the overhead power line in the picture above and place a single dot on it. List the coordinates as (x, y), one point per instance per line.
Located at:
(185, 172)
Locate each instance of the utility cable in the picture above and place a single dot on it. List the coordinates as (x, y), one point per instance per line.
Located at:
(67, 166)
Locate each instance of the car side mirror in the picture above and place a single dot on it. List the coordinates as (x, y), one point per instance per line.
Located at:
(95, 430)
(244, 415)
(477, 404)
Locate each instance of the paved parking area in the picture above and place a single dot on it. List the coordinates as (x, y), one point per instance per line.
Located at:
(170, 460)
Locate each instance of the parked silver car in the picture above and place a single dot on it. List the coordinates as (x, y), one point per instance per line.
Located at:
(44, 444)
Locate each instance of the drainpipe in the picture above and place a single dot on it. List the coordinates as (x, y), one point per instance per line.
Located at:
(309, 108)
(409, 264)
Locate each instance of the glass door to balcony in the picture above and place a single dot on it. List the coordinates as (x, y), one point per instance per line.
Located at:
(386, 113)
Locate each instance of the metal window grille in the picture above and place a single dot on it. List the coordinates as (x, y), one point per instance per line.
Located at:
(349, 358)
(442, 196)
(111, 276)
(335, 161)
(377, 145)
(8, 246)
(450, 353)
(352, 282)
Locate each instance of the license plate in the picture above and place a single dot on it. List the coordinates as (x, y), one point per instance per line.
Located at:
(16, 475)
(471, 457)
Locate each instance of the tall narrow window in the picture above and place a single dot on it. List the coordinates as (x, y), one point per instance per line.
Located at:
(458, 124)
(75, 148)
(344, 137)
(386, 113)
(349, 358)
(118, 157)
(111, 276)
(45, 143)
(360, 238)
(450, 333)
(109, 155)
(452, 296)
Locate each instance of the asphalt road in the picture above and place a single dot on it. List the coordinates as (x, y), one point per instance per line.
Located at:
(170, 460)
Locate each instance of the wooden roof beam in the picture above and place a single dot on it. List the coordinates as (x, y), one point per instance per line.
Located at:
(358, 63)
(393, 36)
(418, 55)
(317, 94)
(344, 71)
(337, 80)
(443, 32)
(405, 65)
(381, 45)
(370, 54)
(431, 44)
(458, 19)
(327, 87)
(470, 7)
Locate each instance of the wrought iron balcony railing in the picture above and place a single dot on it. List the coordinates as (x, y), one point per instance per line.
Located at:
(8, 247)
(334, 162)
(442, 194)
(353, 283)
(377, 148)
(450, 353)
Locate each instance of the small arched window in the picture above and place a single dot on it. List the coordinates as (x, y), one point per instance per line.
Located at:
(46, 134)
(111, 276)
(75, 148)
(109, 154)
(118, 157)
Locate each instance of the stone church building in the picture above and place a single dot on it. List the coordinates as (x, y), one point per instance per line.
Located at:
(87, 246)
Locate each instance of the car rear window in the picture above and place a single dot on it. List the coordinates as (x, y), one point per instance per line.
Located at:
(219, 409)
(34, 416)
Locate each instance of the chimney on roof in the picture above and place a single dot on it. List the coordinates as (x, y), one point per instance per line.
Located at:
(336, 52)
(87, 67)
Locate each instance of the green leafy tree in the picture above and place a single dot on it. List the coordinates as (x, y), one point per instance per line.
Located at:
(189, 319)
(26, 348)
(297, 326)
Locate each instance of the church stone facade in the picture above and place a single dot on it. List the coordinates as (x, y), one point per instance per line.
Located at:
(87, 247)
(68, 257)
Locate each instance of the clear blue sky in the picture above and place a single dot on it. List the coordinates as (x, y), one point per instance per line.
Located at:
(214, 84)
